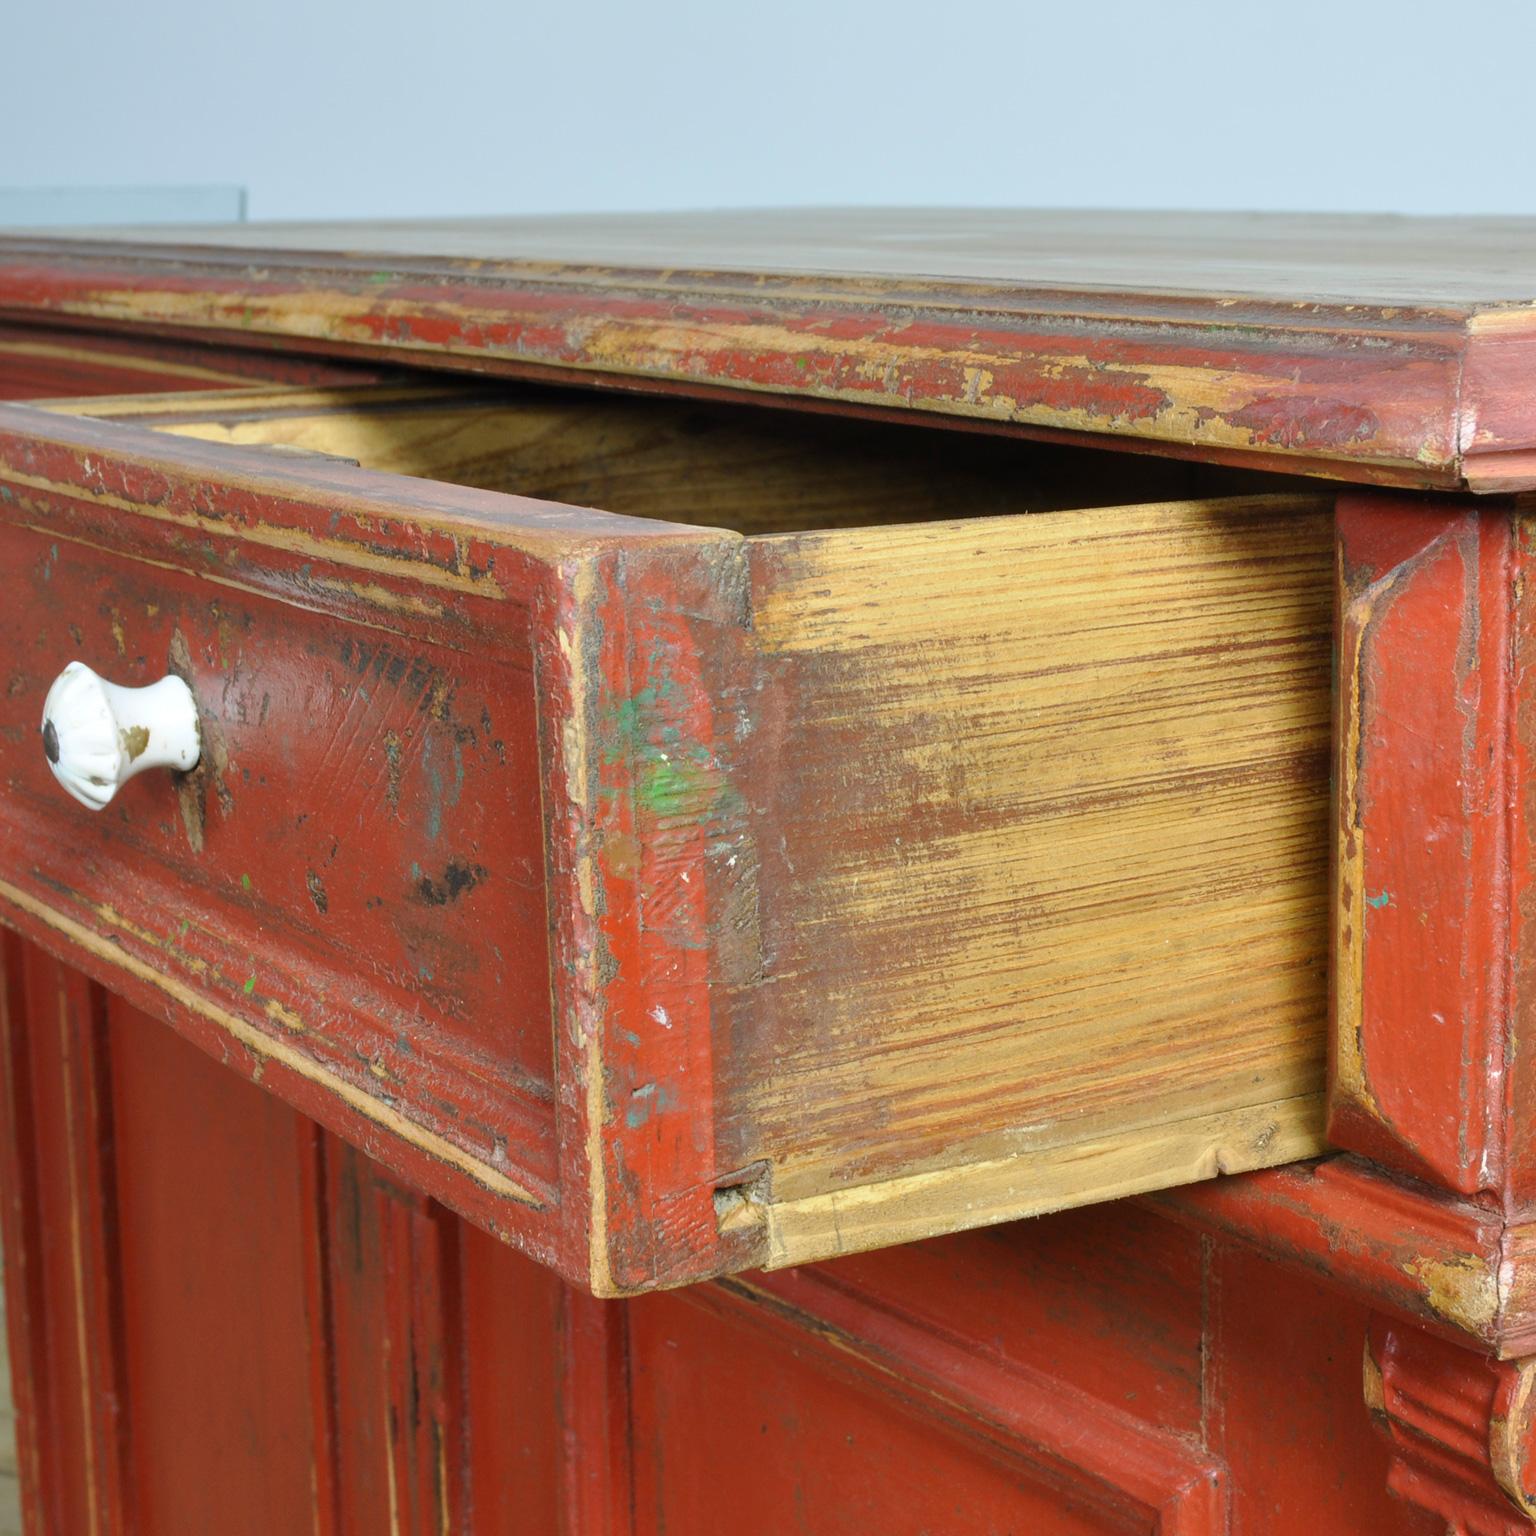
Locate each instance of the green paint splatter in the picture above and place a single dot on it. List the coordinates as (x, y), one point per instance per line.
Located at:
(250, 984)
(1383, 900)
(626, 725)
(647, 1100)
(671, 786)
(673, 776)
(245, 881)
(434, 790)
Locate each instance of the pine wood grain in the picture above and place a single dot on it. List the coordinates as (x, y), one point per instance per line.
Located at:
(1048, 869)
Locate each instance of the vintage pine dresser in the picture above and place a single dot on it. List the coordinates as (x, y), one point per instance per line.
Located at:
(859, 872)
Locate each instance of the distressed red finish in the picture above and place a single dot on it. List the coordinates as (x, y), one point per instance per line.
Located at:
(1462, 1434)
(1432, 851)
(1318, 345)
(1034, 352)
(303, 1343)
(1444, 1263)
(226, 1315)
(466, 668)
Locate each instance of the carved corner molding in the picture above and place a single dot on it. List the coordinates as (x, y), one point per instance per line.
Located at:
(1461, 1428)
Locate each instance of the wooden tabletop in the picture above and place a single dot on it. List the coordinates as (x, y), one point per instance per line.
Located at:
(1393, 350)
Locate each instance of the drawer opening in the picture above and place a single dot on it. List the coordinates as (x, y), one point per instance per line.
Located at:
(750, 469)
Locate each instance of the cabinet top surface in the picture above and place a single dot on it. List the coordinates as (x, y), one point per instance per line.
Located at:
(1364, 347)
(1325, 259)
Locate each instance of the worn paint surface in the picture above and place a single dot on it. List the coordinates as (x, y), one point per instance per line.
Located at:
(1434, 845)
(1100, 1371)
(347, 899)
(1423, 393)
(1449, 1265)
(392, 1368)
(379, 988)
(36, 363)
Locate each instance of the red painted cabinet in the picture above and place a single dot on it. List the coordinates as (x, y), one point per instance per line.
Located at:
(726, 969)
(229, 1320)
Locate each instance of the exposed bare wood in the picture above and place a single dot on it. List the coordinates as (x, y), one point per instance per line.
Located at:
(1043, 817)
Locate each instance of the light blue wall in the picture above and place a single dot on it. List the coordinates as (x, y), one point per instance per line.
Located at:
(332, 107)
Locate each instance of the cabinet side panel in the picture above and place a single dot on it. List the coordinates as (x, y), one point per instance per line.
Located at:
(1107, 1300)
(845, 1416)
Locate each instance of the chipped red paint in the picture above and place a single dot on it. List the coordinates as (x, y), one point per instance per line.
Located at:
(638, 645)
(432, 665)
(1328, 425)
(296, 1337)
(1452, 1267)
(672, 826)
(1356, 391)
(1434, 844)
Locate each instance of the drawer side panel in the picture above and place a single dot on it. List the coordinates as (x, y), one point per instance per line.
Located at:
(1044, 916)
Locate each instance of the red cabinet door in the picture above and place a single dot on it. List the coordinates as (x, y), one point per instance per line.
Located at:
(224, 1319)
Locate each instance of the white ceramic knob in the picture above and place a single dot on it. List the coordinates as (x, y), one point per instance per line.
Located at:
(97, 736)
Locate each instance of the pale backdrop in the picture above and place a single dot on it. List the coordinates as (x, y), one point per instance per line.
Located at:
(466, 106)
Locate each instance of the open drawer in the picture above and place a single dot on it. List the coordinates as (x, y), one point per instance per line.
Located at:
(672, 888)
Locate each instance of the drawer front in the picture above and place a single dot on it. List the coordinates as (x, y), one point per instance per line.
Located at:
(352, 897)
(671, 902)
(359, 852)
